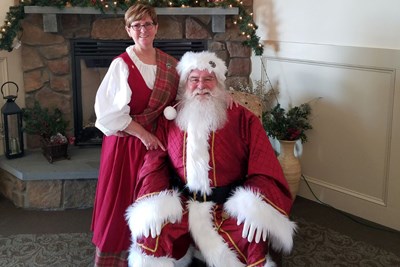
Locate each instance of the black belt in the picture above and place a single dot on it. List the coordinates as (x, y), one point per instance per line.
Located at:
(218, 195)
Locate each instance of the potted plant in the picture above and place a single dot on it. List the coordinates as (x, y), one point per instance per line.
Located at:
(51, 127)
(290, 125)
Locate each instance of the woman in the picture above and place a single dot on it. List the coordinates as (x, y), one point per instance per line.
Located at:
(139, 84)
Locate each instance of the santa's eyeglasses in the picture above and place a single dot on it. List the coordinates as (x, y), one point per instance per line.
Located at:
(197, 80)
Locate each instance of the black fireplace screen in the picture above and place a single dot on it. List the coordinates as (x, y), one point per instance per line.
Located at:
(90, 61)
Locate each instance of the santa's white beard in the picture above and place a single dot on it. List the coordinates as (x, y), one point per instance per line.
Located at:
(205, 113)
(199, 116)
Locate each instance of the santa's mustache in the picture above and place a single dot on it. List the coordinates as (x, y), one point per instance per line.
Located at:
(197, 92)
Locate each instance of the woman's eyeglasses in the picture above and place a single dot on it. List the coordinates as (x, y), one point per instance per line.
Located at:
(138, 27)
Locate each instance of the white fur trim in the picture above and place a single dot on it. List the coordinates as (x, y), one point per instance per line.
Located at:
(153, 210)
(197, 159)
(247, 205)
(212, 246)
(202, 61)
(137, 258)
(186, 259)
(270, 262)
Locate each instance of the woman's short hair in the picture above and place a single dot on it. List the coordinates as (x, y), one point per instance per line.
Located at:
(139, 11)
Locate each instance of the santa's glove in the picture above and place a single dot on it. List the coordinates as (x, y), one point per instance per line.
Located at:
(147, 215)
(249, 229)
(260, 219)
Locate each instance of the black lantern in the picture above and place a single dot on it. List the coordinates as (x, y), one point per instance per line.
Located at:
(12, 125)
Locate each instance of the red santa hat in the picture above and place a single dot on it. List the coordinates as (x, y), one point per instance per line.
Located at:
(202, 61)
(196, 60)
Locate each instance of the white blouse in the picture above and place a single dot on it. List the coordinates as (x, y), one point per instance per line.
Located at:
(114, 94)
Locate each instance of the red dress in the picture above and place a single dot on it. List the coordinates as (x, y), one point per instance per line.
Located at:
(121, 158)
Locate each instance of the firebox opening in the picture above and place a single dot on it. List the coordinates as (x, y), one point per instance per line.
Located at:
(90, 61)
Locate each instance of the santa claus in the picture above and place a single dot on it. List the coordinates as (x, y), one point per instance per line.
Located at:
(217, 190)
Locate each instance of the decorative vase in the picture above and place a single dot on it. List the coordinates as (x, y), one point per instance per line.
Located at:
(290, 165)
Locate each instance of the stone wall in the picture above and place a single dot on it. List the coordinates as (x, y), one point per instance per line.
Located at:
(57, 194)
(47, 63)
(32, 182)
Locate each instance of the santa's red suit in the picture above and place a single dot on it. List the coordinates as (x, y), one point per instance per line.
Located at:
(237, 178)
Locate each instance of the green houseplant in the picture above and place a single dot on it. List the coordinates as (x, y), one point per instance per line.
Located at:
(289, 125)
(51, 126)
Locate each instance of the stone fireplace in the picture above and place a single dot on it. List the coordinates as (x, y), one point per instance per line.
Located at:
(48, 64)
(48, 69)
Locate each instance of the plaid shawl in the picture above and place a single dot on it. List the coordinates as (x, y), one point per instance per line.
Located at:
(164, 91)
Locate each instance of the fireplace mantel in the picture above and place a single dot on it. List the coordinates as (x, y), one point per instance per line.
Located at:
(50, 14)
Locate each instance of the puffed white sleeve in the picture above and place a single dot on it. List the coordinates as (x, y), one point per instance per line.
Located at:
(112, 99)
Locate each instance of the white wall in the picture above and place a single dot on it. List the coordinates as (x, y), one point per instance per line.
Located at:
(10, 66)
(347, 52)
(361, 23)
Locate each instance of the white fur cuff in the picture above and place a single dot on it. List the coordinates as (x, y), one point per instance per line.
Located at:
(248, 205)
(153, 210)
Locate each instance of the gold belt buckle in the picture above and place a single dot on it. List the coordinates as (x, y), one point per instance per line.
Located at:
(195, 197)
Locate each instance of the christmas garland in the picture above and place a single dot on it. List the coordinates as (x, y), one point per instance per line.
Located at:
(11, 27)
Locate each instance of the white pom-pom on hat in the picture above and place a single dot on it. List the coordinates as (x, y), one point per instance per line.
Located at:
(170, 113)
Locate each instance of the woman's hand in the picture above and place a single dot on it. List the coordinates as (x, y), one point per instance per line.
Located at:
(149, 140)
(121, 134)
